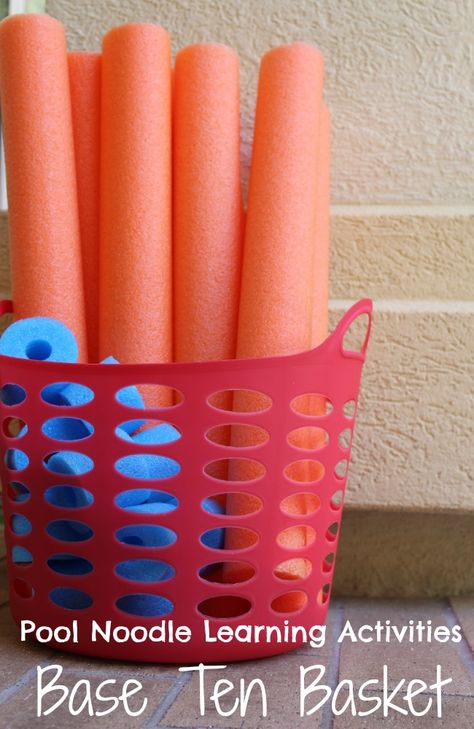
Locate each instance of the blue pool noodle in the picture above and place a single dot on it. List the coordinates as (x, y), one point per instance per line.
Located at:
(39, 338)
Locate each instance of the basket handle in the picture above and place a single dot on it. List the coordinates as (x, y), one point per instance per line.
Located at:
(6, 307)
(364, 306)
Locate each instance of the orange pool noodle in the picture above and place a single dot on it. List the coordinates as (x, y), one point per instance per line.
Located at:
(309, 439)
(276, 295)
(135, 259)
(42, 194)
(321, 251)
(275, 315)
(207, 202)
(84, 80)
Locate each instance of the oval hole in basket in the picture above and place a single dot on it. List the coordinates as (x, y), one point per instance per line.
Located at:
(148, 432)
(17, 491)
(240, 401)
(290, 602)
(148, 396)
(349, 408)
(298, 504)
(14, 428)
(337, 499)
(332, 531)
(20, 524)
(311, 404)
(69, 530)
(67, 394)
(16, 459)
(308, 438)
(21, 556)
(69, 564)
(147, 467)
(145, 570)
(68, 463)
(323, 594)
(341, 468)
(242, 503)
(146, 535)
(345, 438)
(70, 598)
(297, 568)
(230, 538)
(68, 497)
(23, 588)
(305, 470)
(227, 573)
(145, 605)
(12, 394)
(224, 606)
(235, 469)
(238, 435)
(67, 429)
(328, 562)
(296, 537)
(146, 501)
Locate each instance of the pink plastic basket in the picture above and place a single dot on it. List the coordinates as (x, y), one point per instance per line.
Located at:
(328, 370)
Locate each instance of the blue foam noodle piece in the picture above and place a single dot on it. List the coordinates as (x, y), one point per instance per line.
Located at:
(73, 395)
(20, 524)
(146, 535)
(21, 555)
(146, 501)
(19, 492)
(70, 598)
(133, 497)
(213, 537)
(70, 564)
(213, 506)
(16, 460)
(129, 396)
(69, 530)
(152, 508)
(11, 394)
(39, 338)
(157, 434)
(147, 466)
(69, 463)
(129, 428)
(68, 497)
(145, 570)
(67, 429)
(23, 431)
(144, 605)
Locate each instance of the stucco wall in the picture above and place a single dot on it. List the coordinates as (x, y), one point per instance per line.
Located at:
(398, 86)
(397, 79)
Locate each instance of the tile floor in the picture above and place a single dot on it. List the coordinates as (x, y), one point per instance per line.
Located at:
(173, 697)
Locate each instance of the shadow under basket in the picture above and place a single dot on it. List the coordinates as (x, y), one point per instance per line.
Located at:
(273, 454)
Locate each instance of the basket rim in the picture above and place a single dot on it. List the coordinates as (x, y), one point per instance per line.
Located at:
(332, 344)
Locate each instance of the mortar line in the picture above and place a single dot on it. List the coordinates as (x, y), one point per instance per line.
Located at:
(454, 694)
(463, 648)
(332, 677)
(410, 306)
(168, 700)
(374, 210)
(110, 672)
(13, 688)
